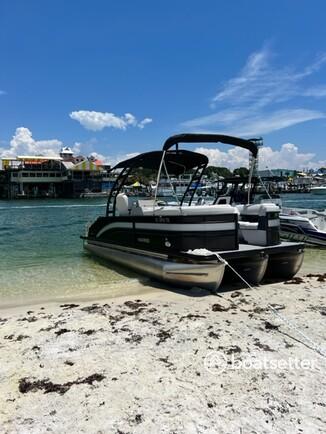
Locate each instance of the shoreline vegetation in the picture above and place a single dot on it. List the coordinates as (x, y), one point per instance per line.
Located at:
(167, 361)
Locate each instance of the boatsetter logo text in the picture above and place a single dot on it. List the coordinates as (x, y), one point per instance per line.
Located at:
(217, 362)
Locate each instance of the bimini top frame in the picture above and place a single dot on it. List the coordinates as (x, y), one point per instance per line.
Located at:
(176, 162)
(252, 145)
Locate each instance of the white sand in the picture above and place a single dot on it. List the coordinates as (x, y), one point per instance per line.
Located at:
(156, 365)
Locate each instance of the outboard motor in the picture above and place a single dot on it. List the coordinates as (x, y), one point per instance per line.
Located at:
(259, 224)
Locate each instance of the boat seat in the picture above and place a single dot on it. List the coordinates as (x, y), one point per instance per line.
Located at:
(223, 200)
(248, 225)
(184, 210)
(146, 203)
(260, 209)
(142, 207)
(122, 204)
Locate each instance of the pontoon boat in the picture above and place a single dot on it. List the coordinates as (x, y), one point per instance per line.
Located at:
(183, 244)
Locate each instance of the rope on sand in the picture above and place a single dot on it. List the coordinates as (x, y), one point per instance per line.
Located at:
(317, 348)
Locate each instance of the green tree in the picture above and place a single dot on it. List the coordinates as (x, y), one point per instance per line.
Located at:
(241, 171)
(144, 176)
(214, 172)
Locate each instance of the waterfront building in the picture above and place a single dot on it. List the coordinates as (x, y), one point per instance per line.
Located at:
(270, 173)
(30, 176)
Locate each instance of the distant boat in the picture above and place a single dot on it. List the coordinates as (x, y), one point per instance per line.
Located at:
(318, 190)
(93, 195)
(296, 224)
(295, 227)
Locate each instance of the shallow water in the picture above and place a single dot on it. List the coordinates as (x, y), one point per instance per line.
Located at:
(41, 253)
(42, 256)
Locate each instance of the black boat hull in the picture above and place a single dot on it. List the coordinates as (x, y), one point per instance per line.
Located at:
(285, 264)
(252, 268)
(169, 233)
(254, 263)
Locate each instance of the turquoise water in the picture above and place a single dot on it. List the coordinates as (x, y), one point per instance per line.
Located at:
(41, 254)
(304, 200)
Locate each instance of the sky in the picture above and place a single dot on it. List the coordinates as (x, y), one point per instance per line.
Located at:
(117, 78)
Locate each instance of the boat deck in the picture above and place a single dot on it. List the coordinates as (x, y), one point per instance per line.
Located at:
(247, 250)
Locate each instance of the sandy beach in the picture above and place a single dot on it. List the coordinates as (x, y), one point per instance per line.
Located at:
(167, 362)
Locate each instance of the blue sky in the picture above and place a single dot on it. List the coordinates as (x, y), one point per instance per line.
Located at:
(119, 77)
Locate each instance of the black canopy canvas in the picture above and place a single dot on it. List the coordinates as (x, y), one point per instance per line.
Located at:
(176, 161)
(251, 145)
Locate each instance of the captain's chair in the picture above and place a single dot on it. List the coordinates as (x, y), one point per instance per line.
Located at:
(223, 200)
(122, 204)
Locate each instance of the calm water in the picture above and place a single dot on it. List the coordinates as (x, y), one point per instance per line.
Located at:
(41, 254)
(304, 200)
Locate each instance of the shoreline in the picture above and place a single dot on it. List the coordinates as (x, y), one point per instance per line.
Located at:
(141, 286)
(132, 285)
(152, 362)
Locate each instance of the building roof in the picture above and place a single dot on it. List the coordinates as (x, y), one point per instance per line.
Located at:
(66, 150)
(37, 158)
(68, 164)
(87, 165)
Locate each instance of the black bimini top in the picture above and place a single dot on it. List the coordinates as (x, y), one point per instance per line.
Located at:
(251, 145)
(176, 161)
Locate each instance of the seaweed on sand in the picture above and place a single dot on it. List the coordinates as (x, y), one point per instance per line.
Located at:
(26, 385)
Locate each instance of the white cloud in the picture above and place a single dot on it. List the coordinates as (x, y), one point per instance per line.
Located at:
(260, 83)
(130, 119)
(256, 100)
(97, 121)
(232, 158)
(251, 124)
(316, 91)
(287, 157)
(144, 122)
(23, 143)
(76, 148)
(276, 121)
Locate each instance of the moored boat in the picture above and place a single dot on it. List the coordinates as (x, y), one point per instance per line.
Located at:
(164, 241)
(285, 260)
(260, 224)
(318, 190)
(182, 269)
(295, 227)
(154, 238)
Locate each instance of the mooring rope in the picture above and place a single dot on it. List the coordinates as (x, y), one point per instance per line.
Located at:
(290, 324)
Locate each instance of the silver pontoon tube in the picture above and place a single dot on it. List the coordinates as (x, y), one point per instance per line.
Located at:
(207, 275)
